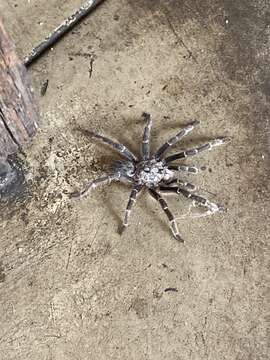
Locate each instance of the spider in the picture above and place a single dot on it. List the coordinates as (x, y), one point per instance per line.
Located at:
(155, 172)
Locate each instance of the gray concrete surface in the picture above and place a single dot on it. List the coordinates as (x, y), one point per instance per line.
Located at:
(70, 286)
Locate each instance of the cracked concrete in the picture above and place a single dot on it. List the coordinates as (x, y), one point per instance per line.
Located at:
(70, 286)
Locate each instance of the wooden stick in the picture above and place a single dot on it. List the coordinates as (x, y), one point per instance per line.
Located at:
(61, 30)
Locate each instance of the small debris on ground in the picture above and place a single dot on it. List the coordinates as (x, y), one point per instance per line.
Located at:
(44, 87)
(171, 289)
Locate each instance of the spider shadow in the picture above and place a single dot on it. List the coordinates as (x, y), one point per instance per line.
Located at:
(131, 134)
(136, 127)
(169, 130)
(158, 217)
(122, 135)
(116, 211)
(144, 203)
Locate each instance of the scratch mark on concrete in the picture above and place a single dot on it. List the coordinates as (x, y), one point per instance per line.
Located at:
(69, 255)
(179, 40)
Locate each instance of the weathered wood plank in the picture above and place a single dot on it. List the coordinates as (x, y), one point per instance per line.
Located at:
(18, 108)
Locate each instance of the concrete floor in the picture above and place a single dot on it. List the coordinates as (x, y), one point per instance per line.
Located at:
(70, 286)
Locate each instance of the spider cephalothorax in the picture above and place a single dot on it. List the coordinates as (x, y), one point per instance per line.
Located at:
(154, 172)
(151, 173)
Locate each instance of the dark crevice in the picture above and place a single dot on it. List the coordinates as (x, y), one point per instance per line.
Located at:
(8, 130)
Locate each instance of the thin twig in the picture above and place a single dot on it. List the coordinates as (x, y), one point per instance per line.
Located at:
(91, 66)
(61, 30)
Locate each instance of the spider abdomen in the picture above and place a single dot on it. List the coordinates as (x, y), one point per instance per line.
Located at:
(151, 172)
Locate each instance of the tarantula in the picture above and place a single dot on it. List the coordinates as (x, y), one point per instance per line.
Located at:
(154, 172)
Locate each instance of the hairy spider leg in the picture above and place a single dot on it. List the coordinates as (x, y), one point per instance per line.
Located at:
(185, 168)
(197, 150)
(146, 137)
(105, 180)
(122, 149)
(168, 213)
(197, 198)
(131, 202)
(175, 139)
(188, 185)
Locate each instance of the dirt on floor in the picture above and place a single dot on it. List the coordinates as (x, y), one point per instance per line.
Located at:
(70, 286)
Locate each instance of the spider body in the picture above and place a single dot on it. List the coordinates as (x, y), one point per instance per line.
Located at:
(154, 172)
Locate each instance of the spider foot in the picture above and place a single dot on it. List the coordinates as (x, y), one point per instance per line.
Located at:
(146, 115)
(121, 229)
(178, 238)
(221, 208)
(75, 194)
(221, 141)
(212, 206)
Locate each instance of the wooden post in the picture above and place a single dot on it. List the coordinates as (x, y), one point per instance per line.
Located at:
(18, 108)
